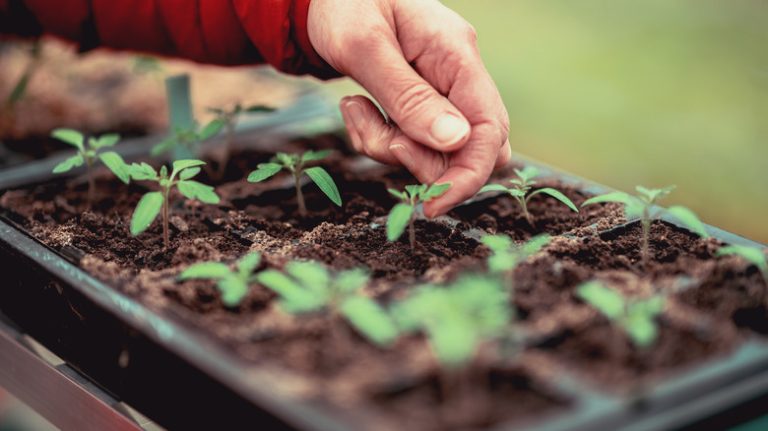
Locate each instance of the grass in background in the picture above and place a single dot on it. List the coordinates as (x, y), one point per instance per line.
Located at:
(625, 92)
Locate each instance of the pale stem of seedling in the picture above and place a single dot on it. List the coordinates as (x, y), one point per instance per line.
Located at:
(91, 182)
(165, 214)
(230, 133)
(524, 205)
(297, 170)
(412, 226)
(646, 224)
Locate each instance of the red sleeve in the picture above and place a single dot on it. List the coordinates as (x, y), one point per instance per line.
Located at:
(226, 32)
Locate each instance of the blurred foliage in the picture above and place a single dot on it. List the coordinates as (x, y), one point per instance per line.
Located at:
(653, 92)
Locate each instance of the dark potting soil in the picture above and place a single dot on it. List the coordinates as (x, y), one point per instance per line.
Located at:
(321, 358)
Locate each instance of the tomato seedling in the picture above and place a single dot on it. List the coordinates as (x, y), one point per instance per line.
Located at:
(306, 287)
(228, 118)
(153, 203)
(643, 206)
(88, 153)
(457, 318)
(506, 255)
(636, 317)
(232, 284)
(403, 214)
(297, 164)
(187, 140)
(521, 188)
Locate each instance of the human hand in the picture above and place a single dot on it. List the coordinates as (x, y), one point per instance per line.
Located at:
(420, 61)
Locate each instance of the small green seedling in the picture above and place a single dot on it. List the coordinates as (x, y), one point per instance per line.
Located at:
(233, 284)
(637, 318)
(403, 214)
(187, 140)
(642, 206)
(307, 287)
(753, 255)
(521, 191)
(229, 120)
(458, 318)
(506, 255)
(152, 203)
(88, 153)
(296, 164)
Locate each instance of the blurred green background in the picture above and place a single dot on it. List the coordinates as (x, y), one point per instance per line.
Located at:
(651, 92)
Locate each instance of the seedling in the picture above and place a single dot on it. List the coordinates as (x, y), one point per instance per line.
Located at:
(307, 287)
(521, 191)
(458, 318)
(636, 317)
(506, 255)
(233, 284)
(643, 206)
(753, 255)
(296, 164)
(187, 140)
(88, 153)
(229, 120)
(403, 214)
(153, 203)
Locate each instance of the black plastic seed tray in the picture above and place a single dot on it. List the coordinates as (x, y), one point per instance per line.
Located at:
(182, 379)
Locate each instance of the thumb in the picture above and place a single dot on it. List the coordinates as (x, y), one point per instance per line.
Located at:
(423, 114)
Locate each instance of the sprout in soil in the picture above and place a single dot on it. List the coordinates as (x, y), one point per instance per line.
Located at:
(636, 317)
(297, 165)
(403, 214)
(88, 153)
(643, 206)
(458, 321)
(506, 255)
(233, 284)
(152, 203)
(229, 120)
(187, 140)
(306, 287)
(521, 191)
(458, 318)
(753, 255)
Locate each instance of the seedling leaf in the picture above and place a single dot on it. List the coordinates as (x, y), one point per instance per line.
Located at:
(248, 263)
(180, 165)
(195, 190)
(146, 211)
(557, 195)
(312, 156)
(70, 136)
(493, 188)
(607, 301)
(435, 191)
(108, 140)
(293, 298)
(369, 318)
(264, 171)
(143, 171)
(397, 221)
(689, 219)
(214, 270)
(189, 173)
(68, 164)
(259, 108)
(324, 181)
(211, 129)
(617, 197)
(233, 290)
(115, 163)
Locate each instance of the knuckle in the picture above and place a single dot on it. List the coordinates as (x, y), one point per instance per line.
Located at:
(414, 98)
(470, 33)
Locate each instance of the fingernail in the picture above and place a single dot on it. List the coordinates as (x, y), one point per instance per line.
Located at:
(449, 129)
(354, 113)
